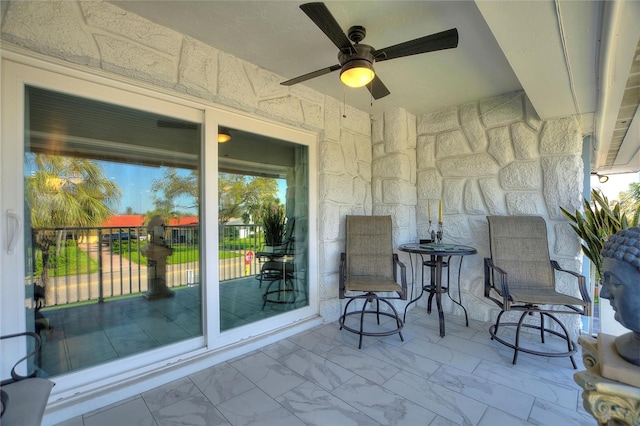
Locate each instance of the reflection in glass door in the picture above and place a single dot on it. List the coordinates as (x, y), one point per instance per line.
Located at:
(263, 213)
(112, 211)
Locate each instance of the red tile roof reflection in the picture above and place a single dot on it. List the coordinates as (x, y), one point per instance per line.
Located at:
(183, 221)
(124, 220)
(134, 220)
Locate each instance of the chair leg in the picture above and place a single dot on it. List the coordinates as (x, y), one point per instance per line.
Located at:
(517, 348)
(399, 323)
(267, 292)
(344, 314)
(285, 291)
(570, 346)
(497, 324)
(362, 311)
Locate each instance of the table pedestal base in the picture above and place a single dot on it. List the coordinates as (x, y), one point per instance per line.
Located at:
(436, 264)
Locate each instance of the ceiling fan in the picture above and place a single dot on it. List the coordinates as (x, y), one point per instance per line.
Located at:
(356, 59)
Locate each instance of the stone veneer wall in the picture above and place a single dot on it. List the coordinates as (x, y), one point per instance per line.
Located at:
(102, 36)
(393, 137)
(491, 157)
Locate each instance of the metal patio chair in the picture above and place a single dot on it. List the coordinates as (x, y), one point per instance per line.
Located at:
(520, 276)
(369, 273)
(24, 397)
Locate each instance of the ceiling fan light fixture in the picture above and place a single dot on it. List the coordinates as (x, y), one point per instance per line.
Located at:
(357, 73)
(223, 136)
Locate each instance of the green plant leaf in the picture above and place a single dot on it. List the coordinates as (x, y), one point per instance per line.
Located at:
(597, 221)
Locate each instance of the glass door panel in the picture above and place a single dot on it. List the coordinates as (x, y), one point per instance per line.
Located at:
(112, 229)
(263, 214)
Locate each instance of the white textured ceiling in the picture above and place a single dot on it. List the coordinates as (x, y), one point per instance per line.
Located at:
(550, 49)
(278, 36)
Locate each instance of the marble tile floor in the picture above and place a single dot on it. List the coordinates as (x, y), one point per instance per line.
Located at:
(320, 378)
(85, 335)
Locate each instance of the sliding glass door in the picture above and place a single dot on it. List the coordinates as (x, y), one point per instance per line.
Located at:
(119, 252)
(263, 214)
(112, 242)
(105, 207)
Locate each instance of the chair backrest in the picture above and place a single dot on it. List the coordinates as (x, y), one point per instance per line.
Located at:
(289, 227)
(289, 237)
(369, 248)
(520, 247)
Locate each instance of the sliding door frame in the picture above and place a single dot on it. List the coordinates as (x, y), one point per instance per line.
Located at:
(112, 381)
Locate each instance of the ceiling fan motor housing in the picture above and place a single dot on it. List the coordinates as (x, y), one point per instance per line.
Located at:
(359, 52)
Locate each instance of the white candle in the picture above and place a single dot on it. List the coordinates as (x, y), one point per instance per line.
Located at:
(440, 213)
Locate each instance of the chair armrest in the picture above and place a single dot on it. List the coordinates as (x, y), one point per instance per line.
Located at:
(490, 270)
(582, 285)
(15, 376)
(403, 275)
(261, 255)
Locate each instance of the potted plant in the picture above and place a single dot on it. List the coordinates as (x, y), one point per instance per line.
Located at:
(273, 223)
(598, 221)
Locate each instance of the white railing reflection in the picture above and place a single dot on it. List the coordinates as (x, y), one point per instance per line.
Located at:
(94, 264)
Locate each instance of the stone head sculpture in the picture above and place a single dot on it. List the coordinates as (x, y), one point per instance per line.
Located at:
(156, 230)
(621, 285)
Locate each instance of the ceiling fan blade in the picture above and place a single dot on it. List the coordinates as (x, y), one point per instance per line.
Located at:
(377, 88)
(439, 41)
(321, 16)
(311, 75)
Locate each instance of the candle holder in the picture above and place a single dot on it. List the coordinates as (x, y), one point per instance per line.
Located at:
(440, 233)
(431, 235)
